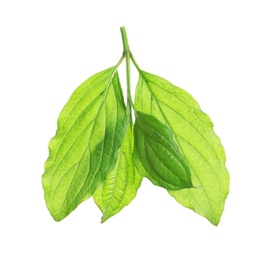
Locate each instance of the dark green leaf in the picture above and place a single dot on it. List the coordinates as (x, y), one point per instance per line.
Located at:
(156, 151)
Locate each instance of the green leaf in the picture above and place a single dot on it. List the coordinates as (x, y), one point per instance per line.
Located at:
(121, 185)
(196, 139)
(91, 129)
(159, 155)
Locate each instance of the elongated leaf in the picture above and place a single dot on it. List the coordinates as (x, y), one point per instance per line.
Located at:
(91, 129)
(121, 185)
(156, 151)
(197, 141)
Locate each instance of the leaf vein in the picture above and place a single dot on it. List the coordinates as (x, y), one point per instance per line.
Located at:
(160, 161)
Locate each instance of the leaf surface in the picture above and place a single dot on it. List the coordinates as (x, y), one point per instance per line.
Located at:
(156, 151)
(196, 139)
(121, 185)
(91, 129)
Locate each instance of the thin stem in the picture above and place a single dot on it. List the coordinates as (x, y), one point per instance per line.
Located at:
(120, 61)
(135, 63)
(127, 54)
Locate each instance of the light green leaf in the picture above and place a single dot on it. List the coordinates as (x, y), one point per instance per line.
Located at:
(196, 139)
(91, 129)
(121, 185)
(156, 151)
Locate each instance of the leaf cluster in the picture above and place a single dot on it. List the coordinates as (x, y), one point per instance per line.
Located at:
(98, 151)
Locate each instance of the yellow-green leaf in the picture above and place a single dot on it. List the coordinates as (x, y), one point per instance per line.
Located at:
(193, 133)
(91, 129)
(121, 185)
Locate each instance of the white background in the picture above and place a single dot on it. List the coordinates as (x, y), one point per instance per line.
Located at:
(210, 48)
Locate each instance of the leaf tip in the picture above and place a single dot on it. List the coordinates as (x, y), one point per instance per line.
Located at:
(104, 219)
(57, 217)
(215, 222)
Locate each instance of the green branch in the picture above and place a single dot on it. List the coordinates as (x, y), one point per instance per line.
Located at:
(127, 54)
